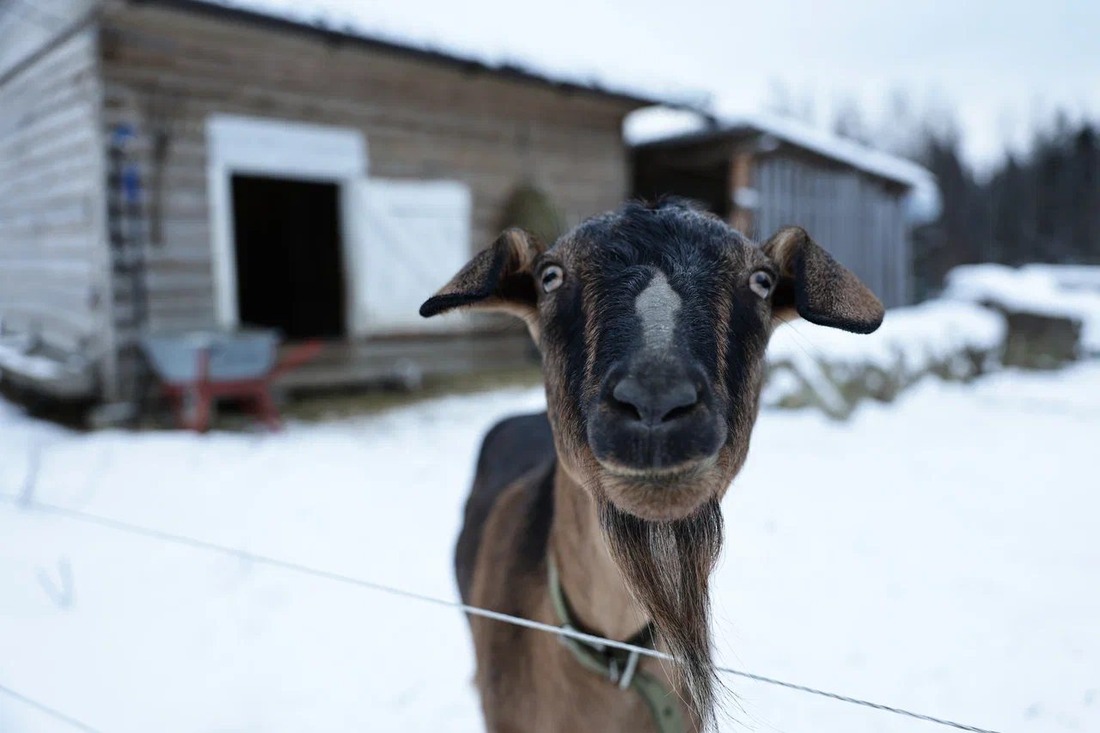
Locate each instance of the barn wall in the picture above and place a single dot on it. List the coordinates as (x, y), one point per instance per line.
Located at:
(52, 253)
(420, 120)
(859, 219)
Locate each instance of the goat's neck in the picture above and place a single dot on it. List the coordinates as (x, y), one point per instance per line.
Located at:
(597, 594)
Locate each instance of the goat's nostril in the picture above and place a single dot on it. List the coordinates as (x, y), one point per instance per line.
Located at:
(654, 404)
(678, 412)
(624, 407)
(679, 400)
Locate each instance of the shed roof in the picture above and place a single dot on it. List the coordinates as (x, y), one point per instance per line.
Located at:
(661, 128)
(665, 127)
(353, 23)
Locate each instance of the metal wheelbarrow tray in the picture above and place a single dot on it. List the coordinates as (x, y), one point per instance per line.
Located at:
(196, 368)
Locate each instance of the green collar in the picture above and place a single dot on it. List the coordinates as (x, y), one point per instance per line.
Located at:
(618, 666)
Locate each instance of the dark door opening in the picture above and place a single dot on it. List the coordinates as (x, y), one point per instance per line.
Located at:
(290, 273)
(702, 178)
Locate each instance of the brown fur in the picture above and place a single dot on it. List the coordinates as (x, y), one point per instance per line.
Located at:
(529, 682)
(669, 565)
(631, 547)
(829, 295)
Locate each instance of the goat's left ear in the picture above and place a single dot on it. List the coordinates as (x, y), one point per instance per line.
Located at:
(821, 289)
(497, 278)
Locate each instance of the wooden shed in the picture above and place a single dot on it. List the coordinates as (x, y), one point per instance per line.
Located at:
(762, 173)
(168, 165)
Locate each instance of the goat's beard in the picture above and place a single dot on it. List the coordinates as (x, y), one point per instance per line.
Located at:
(667, 566)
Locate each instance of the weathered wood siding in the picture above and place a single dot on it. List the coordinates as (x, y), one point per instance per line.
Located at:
(858, 218)
(26, 28)
(420, 120)
(52, 254)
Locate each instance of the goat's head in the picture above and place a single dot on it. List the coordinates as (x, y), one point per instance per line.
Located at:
(653, 322)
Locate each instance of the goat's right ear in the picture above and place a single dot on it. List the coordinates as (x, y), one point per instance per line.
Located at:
(498, 278)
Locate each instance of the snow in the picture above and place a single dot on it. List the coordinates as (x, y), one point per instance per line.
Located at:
(13, 357)
(1069, 277)
(916, 337)
(658, 124)
(937, 554)
(911, 342)
(546, 56)
(663, 124)
(1032, 289)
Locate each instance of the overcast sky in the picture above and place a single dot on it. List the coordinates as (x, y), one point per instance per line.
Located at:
(999, 65)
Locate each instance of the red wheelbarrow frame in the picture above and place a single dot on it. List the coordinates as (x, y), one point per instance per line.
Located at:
(193, 402)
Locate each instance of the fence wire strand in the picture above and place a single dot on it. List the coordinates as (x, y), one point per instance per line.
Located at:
(50, 711)
(291, 566)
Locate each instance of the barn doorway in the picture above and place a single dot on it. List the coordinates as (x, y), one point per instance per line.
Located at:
(289, 256)
(702, 176)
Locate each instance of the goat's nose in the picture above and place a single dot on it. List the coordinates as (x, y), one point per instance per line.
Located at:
(656, 403)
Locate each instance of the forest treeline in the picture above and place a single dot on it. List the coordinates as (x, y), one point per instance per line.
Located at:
(1039, 206)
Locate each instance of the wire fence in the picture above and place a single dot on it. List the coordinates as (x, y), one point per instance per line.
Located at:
(48, 710)
(300, 568)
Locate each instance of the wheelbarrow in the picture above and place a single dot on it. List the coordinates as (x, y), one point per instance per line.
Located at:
(197, 368)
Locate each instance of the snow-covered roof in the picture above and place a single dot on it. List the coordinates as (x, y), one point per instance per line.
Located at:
(667, 126)
(469, 47)
(660, 126)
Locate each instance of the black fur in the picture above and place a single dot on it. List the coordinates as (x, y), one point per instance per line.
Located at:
(706, 262)
(513, 448)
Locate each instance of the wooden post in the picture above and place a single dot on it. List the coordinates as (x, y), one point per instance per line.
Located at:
(741, 215)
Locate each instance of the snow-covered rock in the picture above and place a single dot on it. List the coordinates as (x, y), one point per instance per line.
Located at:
(1042, 308)
(1069, 277)
(834, 370)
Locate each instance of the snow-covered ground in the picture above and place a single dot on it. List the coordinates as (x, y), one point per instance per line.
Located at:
(940, 553)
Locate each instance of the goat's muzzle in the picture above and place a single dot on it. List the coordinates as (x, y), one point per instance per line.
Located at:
(655, 423)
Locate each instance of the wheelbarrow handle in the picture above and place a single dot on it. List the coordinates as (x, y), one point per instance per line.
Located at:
(297, 356)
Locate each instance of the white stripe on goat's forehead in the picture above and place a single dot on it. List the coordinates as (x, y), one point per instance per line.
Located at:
(657, 307)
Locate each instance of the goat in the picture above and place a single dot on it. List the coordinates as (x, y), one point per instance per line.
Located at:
(603, 512)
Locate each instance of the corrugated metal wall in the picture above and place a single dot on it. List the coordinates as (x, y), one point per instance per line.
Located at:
(856, 217)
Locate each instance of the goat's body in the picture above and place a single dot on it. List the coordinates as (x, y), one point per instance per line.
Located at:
(528, 680)
(652, 324)
(513, 447)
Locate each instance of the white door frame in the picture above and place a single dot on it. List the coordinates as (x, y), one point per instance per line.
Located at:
(281, 149)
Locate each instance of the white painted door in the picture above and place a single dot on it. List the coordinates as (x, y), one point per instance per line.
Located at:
(409, 239)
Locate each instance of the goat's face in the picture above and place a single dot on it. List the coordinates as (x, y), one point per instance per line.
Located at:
(653, 324)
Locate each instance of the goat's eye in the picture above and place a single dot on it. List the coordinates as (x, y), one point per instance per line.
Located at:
(551, 278)
(761, 283)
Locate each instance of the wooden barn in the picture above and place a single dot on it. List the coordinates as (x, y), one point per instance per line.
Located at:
(177, 165)
(762, 173)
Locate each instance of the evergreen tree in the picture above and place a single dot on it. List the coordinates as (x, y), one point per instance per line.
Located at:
(1040, 207)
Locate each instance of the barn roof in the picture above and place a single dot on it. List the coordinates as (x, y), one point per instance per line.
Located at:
(353, 23)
